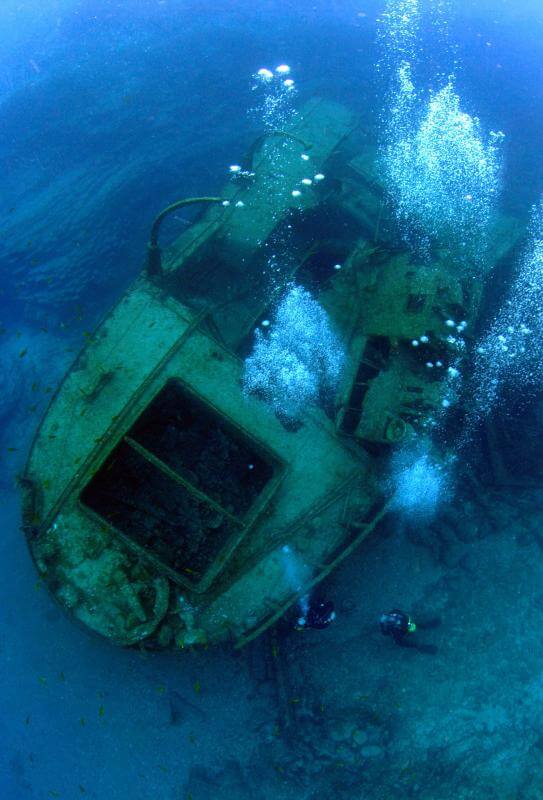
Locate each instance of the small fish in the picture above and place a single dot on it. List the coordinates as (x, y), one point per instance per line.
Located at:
(27, 720)
(62, 676)
(82, 788)
(23, 353)
(161, 689)
(163, 768)
(42, 680)
(53, 793)
(45, 330)
(197, 687)
(35, 386)
(101, 711)
(38, 585)
(82, 721)
(12, 449)
(32, 408)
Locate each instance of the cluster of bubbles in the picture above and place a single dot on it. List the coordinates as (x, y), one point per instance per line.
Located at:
(297, 358)
(509, 355)
(401, 27)
(442, 173)
(398, 32)
(276, 91)
(418, 483)
(275, 109)
(441, 170)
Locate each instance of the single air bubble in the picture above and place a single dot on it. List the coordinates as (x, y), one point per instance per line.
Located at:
(225, 203)
(304, 157)
(445, 403)
(282, 69)
(415, 342)
(240, 204)
(265, 323)
(424, 339)
(439, 363)
(450, 323)
(250, 466)
(265, 74)
(234, 168)
(288, 84)
(296, 193)
(307, 181)
(318, 177)
(429, 364)
(337, 266)
(453, 372)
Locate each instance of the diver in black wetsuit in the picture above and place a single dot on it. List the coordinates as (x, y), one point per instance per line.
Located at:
(400, 626)
(318, 615)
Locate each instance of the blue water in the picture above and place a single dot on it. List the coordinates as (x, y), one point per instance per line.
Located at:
(108, 112)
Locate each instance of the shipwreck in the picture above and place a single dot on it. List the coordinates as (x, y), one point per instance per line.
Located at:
(158, 499)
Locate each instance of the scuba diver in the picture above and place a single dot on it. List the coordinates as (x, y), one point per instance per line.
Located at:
(401, 626)
(315, 614)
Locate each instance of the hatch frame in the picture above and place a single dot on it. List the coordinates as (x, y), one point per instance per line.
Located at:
(245, 524)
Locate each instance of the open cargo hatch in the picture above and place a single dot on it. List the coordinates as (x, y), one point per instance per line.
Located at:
(184, 486)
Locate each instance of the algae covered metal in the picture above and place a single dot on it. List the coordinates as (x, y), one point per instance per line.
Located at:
(160, 502)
